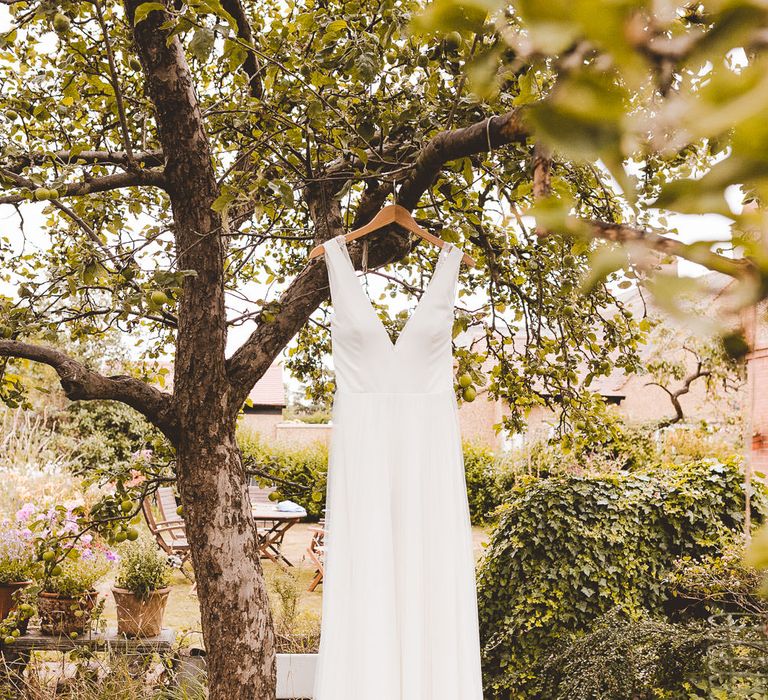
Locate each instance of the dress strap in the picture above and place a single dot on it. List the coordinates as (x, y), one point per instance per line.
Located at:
(339, 265)
(446, 273)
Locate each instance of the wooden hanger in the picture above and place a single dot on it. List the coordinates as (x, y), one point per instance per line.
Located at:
(393, 214)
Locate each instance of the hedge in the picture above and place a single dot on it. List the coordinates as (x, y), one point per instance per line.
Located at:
(300, 474)
(568, 549)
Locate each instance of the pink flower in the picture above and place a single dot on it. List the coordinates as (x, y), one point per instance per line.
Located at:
(86, 540)
(25, 512)
(70, 523)
(136, 478)
(110, 555)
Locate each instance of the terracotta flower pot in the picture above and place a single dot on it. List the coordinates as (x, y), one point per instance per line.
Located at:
(140, 617)
(7, 592)
(60, 615)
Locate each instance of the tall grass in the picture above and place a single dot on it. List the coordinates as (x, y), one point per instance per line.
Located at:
(297, 630)
(108, 677)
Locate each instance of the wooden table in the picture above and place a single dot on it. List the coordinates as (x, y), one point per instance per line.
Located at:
(16, 656)
(272, 526)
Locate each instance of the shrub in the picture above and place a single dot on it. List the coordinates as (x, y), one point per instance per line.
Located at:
(101, 433)
(568, 549)
(143, 568)
(480, 474)
(622, 448)
(297, 631)
(684, 443)
(621, 659)
(718, 583)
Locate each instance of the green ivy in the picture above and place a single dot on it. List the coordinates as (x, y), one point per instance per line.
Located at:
(570, 548)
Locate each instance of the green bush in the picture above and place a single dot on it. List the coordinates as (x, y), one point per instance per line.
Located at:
(102, 433)
(621, 659)
(718, 583)
(570, 548)
(482, 489)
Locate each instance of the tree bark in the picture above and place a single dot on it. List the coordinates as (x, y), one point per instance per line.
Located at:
(236, 619)
(234, 606)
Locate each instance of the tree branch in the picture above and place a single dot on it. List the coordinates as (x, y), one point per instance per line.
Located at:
(149, 159)
(251, 64)
(83, 384)
(139, 178)
(114, 79)
(674, 396)
(459, 143)
(739, 268)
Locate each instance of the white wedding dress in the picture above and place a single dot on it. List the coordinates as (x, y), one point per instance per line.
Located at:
(399, 602)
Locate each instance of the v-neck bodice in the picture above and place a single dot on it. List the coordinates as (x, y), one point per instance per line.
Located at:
(365, 358)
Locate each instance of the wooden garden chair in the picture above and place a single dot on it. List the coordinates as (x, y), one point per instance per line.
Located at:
(169, 530)
(316, 552)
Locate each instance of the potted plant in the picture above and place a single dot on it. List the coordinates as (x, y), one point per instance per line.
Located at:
(68, 596)
(17, 557)
(141, 593)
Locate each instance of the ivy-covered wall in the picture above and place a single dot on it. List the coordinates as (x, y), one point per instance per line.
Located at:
(568, 549)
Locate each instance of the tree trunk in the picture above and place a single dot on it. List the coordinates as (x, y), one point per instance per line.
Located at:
(237, 626)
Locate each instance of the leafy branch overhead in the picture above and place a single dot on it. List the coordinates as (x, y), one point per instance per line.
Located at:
(298, 122)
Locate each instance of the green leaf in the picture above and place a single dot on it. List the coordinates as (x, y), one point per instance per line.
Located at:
(223, 201)
(143, 10)
(443, 16)
(606, 259)
(336, 25)
(202, 43)
(215, 7)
